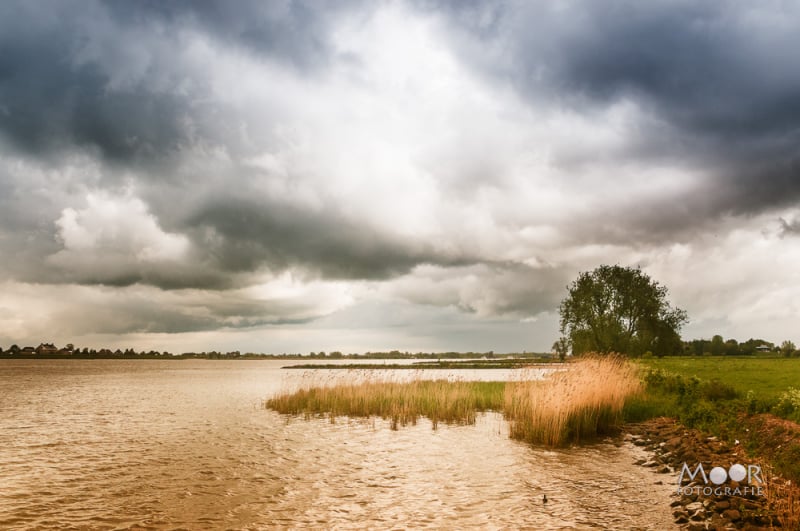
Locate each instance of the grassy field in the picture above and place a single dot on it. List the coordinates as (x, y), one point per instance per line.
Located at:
(768, 378)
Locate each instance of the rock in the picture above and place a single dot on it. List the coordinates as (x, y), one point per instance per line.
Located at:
(696, 526)
(699, 515)
(694, 506)
(682, 519)
(722, 505)
(640, 462)
(673, 443)
(750, 506)
(664, 469)
(732, 514)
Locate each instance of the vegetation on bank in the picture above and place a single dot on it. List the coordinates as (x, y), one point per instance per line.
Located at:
(569, 406)
(495, 363)
(582, 402)
(401, 403)
(741, 400)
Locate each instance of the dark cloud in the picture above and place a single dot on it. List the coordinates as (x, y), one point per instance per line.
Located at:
(508, 289)
(108, 76)
(241, 235)
(50, 101)
(296, 32)
(130, 313)
(789, 228)
(719, 81)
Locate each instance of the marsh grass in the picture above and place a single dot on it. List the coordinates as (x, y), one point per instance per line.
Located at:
(400, 402)
(570, 405)
(581, 402)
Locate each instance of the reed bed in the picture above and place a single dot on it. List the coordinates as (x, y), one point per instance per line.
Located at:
(400, 402)
(581, 402)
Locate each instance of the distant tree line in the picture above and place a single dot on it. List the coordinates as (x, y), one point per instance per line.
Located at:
(50, 351)
(719, 346)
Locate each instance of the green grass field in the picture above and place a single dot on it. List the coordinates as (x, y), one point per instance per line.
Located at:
(768, 378)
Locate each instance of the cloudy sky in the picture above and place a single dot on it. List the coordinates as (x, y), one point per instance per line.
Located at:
(290, 176)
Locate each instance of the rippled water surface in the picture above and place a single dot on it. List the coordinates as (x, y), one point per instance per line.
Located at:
(110, 444)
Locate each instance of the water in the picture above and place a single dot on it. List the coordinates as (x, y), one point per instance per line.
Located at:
(112, 444)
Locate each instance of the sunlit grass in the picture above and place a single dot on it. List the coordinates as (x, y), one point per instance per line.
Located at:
(767, 377)
(581, 402)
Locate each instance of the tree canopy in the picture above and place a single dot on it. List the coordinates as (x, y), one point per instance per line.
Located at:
(620, 309)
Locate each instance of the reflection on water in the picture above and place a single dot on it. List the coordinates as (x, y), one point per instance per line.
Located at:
(113, 444)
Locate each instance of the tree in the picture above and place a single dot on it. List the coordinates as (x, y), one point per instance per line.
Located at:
(561, 348)
(620, 309)
(717, 345)
(787, 347)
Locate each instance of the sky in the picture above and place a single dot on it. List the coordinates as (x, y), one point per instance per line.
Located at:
(297, 176)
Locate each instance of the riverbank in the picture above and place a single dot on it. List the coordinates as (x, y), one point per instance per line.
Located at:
(759, 500)
(501, 363)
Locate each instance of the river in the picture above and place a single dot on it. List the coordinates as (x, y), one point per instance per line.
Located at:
(159, 444)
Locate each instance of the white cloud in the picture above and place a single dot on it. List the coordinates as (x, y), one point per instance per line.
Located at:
(115, 227)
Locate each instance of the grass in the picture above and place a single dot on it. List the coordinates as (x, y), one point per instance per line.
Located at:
(572, 405)
(582, 402)
(768, 378)
(402, 403)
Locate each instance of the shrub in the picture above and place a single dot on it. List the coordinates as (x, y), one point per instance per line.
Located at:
(789, 403)
(716, 390)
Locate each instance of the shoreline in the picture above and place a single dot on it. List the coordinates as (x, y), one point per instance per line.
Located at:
(700, 502)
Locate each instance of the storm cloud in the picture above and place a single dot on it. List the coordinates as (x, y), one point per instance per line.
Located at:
(189, 167)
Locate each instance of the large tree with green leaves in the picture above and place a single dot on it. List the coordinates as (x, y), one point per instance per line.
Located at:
(620, 309)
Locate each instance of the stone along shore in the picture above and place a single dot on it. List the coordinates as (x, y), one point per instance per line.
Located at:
(709, 500)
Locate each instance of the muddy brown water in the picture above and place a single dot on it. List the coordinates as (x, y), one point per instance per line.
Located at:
(112, 444)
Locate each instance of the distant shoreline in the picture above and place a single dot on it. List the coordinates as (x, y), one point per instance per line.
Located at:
(510, 363)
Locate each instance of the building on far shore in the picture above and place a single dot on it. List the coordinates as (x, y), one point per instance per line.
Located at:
(46, 348)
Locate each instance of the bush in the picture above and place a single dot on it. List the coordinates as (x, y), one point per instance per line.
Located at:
(788, 405)
(702, 415)
(716, 390)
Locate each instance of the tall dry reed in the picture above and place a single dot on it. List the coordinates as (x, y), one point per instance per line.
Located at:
(582, 401)
(783, 499)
